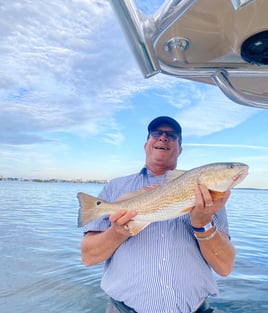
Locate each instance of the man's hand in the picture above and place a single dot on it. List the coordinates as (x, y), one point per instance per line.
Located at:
(120, 220)
(205, 207)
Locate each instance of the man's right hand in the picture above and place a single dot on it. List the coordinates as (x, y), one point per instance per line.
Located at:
(120, 220)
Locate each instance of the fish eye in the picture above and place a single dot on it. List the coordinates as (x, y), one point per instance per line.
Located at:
(98, 202)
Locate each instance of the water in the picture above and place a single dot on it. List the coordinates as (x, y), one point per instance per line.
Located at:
(41, 269)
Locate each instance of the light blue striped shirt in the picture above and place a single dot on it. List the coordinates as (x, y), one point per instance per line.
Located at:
(160, 270)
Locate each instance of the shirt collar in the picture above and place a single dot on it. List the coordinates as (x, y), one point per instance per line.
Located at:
(145, 171)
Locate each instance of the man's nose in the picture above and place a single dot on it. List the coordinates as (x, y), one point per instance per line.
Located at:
(163, 137)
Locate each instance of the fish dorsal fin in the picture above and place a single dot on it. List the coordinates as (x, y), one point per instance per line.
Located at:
(130, 195)
(137, 193)
(171, 175)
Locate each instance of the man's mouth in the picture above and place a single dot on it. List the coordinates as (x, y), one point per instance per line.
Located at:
(161, 148)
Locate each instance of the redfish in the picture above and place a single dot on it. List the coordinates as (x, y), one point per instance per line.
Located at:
(171, 200)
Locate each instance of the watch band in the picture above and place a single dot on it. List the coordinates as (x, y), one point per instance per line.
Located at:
(204, 228)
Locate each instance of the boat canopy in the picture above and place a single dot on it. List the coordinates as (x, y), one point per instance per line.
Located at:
(218, 42)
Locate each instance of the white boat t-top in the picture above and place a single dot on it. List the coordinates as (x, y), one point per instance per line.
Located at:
(220, 42)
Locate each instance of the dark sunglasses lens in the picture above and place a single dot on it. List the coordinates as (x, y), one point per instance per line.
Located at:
(155, 134)
(171, 136)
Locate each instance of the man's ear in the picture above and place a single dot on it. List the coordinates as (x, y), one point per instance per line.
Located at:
(179, 150)
(145, 145)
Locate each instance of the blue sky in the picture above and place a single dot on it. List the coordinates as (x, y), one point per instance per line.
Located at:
(74, 103)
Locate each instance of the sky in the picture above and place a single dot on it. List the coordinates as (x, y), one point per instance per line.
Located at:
(74, 103)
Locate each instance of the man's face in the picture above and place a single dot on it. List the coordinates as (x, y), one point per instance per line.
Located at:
(163, 147)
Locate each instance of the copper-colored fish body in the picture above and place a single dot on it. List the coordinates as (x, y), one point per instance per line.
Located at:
(173, 199)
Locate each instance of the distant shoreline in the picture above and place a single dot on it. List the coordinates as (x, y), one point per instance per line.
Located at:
(55, 180)
(249, 188)
(87, 181)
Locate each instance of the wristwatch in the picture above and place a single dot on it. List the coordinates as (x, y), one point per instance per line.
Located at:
(204, 228)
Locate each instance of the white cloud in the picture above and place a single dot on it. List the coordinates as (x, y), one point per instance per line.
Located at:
(66, 69)
(65, 66)
(61, 63)
(210, 111)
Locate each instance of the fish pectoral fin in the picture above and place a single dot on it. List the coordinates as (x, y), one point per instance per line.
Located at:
(135, 227)
(215, 195)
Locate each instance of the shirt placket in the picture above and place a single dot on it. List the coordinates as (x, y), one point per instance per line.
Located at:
(166, 281)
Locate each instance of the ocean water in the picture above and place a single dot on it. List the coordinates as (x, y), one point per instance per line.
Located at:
(40, 264)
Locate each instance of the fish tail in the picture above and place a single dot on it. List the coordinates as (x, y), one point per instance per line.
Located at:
(90, 208)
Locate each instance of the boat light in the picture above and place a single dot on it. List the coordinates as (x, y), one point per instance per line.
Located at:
(254, 50)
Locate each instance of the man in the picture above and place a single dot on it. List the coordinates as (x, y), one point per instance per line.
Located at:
(167, 266)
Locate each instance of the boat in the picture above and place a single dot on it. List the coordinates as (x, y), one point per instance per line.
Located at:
(217, 42)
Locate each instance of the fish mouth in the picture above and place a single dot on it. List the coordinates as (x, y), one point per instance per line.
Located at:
(239, 177)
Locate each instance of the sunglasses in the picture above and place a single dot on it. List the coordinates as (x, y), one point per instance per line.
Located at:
(171, 135)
